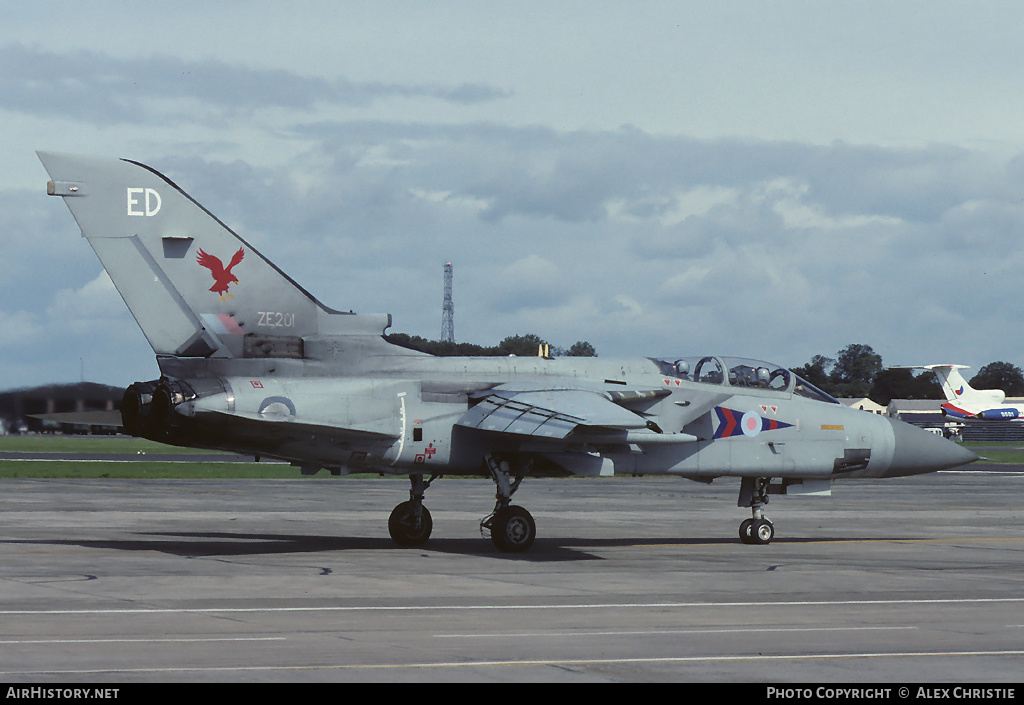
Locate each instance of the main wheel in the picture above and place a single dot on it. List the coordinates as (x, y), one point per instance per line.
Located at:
(403, 527)
(513, 529)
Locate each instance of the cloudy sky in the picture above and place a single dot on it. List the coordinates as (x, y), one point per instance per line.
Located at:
(768, 179)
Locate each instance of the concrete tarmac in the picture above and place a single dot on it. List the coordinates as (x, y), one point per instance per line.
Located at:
(904, 581)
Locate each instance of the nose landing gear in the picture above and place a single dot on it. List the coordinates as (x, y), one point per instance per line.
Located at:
(754, 494)
(756, 531)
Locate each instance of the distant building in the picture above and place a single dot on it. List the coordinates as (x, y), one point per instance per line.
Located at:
(920, 412)
(18, 406)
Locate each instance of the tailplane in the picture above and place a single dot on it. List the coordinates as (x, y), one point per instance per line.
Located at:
(194, 286)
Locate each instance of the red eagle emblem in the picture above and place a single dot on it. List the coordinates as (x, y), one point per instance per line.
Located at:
(222, 276)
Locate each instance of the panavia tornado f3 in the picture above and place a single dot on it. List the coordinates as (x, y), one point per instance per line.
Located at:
(250, 362)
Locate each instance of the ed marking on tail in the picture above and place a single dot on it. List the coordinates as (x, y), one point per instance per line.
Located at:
(222, 276)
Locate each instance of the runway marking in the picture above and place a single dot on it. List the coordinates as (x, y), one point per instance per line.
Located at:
(670, 631)
(140, 641)
(700, 543)
(529, 662)
(459, 608)
(1000, 473)
(903, 541)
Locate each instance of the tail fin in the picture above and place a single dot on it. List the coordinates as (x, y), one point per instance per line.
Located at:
(957, 390)
(195, 287)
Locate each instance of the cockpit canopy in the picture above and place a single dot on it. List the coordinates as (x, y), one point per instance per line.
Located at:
(740, 372)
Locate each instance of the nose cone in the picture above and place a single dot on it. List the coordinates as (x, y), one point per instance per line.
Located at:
(918, 451)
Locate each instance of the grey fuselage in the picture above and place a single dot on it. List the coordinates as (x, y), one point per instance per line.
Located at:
(400, 412)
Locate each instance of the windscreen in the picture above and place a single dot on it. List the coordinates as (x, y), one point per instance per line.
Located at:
(733, 371)
(806, 389)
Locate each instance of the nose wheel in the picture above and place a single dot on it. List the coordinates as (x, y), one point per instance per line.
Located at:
(754, 494)
(757, 531)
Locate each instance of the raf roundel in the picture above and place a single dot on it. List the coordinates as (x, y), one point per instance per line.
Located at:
(750, 424)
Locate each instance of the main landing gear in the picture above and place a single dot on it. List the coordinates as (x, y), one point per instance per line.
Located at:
(754, 494)
(510, 527)
(410, 523)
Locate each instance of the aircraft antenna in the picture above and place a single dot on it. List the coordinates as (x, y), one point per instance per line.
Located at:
(448, 310)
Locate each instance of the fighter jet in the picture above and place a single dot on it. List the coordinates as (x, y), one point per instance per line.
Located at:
(252, 363)
(965, 402)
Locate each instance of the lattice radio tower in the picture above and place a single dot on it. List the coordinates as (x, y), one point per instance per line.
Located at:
(448, 310)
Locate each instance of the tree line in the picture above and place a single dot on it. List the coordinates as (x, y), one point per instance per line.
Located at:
(857, 371)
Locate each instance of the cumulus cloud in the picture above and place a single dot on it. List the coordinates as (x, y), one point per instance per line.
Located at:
(19, 328)
(531, 282)
(797, 248)
(637, 242)
(728, 184)
(83, 307)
